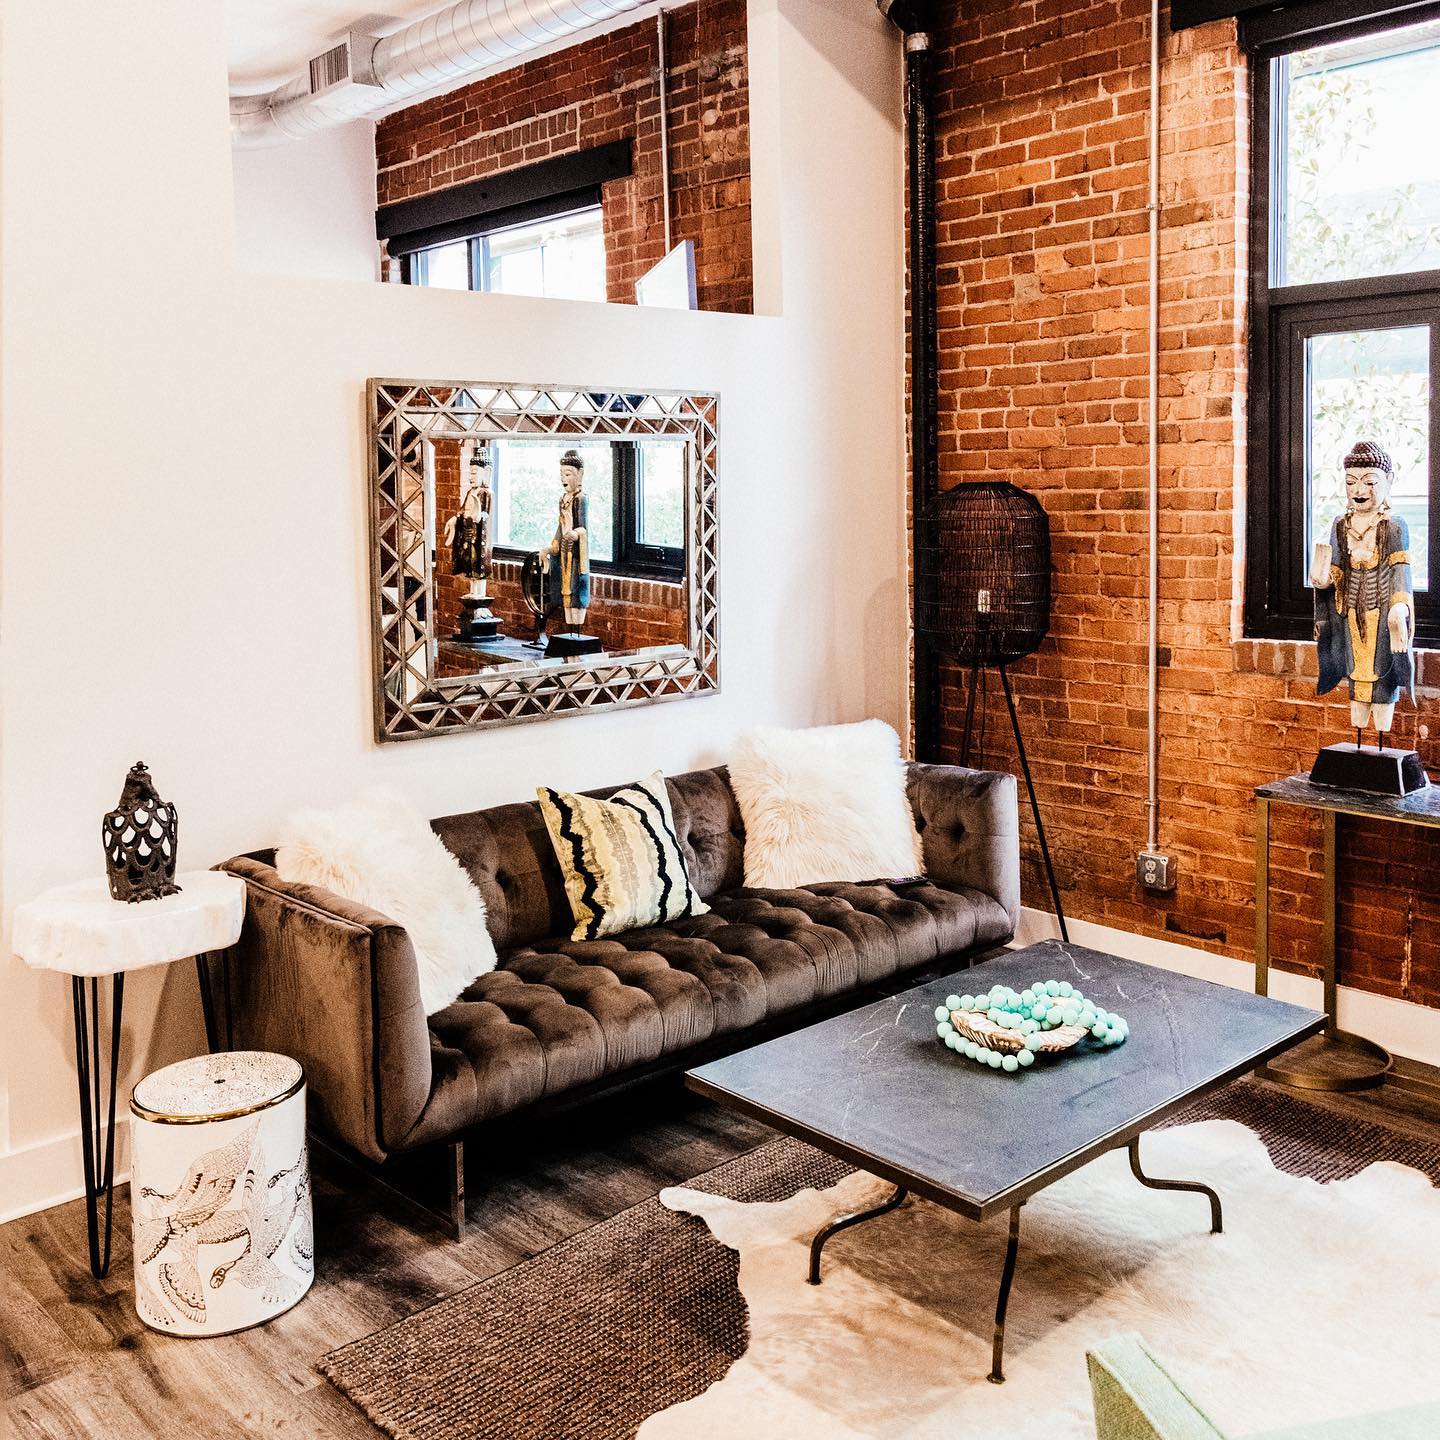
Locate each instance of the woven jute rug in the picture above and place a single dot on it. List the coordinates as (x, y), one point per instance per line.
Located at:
(644, 1311)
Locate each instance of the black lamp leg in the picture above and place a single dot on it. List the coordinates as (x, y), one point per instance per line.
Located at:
(1034, 804)
(97, 1137)
(970, 710)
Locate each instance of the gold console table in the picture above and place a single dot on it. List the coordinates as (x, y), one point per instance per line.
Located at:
(1422, 807)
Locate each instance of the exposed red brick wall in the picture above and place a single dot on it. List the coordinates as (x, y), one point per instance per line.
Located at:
(1042, 292)
(596, 92)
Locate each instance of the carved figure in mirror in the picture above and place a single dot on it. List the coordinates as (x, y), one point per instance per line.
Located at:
(567, 562)
(469, 536)
(1365, 622)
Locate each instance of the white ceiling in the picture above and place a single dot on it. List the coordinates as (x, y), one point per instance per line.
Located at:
(269, 40)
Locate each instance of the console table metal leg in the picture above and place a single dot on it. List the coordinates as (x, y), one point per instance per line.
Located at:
(97, 1137)
(1294, 1076)
(844, 1223)
(1151, 1183)
(1262, 896)
(1327, 925)
(1007, 1277)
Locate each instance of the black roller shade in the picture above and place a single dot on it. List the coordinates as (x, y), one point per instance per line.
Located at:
(1266, 22)
(549, 187)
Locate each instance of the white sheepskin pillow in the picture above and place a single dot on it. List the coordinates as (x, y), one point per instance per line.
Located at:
(824, 804)
(380, 852)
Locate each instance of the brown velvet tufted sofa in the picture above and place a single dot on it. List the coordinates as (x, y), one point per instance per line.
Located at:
(334, 984)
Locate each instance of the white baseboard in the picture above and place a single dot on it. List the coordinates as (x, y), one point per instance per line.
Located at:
(44, 1174)
(1405, 1029)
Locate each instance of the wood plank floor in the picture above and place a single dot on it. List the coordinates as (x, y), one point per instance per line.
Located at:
(78, 1362)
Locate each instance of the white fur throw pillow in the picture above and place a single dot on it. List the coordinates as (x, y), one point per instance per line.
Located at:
(380, 852)
(824, 804)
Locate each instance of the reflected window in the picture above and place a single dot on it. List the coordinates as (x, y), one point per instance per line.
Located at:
(558, 258)
(635, 501)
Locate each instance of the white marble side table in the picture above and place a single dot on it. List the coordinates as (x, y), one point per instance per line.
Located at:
(82, 932)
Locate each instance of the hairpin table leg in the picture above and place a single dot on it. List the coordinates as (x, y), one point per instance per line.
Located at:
(844, 1223)
(208, 1005)
(97, 1136)
(1215, 1219)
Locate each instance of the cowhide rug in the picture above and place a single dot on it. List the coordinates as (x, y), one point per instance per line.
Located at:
(1318, 1301)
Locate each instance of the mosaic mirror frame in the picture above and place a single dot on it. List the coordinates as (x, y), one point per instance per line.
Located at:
(412, 703)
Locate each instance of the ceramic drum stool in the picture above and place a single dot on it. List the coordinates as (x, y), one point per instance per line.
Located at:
(220, 1192)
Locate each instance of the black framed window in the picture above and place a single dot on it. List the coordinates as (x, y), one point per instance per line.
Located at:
(1345, 298)
(635, 502)
(559, 257)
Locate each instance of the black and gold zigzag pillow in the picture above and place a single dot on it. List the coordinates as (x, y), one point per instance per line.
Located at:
(620, 858)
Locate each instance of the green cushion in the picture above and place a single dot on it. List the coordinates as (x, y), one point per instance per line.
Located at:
(1421, 1422)
(1136, 1400)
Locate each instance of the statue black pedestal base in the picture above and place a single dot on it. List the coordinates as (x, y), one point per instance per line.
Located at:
(1372, 771)
(476, 621)
(570, 643)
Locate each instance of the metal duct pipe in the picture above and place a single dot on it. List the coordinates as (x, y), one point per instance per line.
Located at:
(914, 18)
(457, 42)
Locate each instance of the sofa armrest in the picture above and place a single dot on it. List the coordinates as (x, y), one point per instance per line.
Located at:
(969, 826)
(335, 985)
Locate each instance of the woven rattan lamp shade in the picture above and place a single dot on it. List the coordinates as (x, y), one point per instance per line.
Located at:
(984, 592)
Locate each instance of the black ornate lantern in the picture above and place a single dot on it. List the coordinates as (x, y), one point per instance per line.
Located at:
(983, 598)
(140, 837)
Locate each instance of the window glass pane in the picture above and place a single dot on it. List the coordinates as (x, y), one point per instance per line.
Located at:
(446, 267)
(527, 493)
(562, 258)
(1361, 166)
(1370, 385)
(662, 493)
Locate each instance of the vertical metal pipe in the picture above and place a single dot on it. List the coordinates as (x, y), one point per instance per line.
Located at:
(664, 123)
(924, 369)
(1152, 703)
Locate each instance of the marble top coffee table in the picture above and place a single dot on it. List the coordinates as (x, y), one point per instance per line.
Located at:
(876, 1088)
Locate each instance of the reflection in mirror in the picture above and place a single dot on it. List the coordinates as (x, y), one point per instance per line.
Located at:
(539, 550)
(509, 492)
(607, 159)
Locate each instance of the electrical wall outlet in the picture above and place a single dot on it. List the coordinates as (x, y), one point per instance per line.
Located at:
(1155, 871)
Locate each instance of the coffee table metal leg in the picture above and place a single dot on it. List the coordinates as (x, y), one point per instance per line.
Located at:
(997, 1351)
(1215, 1219)
(844, 1223)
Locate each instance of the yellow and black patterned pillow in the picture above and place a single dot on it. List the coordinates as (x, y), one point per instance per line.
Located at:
(620, 858)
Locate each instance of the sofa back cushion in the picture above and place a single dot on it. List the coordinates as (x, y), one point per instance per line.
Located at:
(507, 853)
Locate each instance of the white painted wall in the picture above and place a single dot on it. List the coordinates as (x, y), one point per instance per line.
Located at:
(182, 462)
(308, 208)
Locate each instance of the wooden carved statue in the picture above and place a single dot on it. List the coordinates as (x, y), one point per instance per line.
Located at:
(568, 554)
(469, 536)
(1364, 608)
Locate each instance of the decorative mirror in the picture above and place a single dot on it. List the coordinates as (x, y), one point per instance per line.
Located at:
(539, 550)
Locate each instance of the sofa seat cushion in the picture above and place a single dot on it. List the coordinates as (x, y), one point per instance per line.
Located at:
(562, 1013)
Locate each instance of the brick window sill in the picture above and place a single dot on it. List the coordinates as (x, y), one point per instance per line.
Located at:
(1295, 660)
